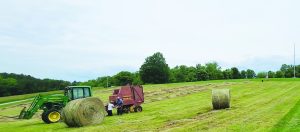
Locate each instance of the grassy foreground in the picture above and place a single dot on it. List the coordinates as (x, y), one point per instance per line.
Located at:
(273, 105)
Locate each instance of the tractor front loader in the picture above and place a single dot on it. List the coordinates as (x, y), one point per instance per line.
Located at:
(53, 104)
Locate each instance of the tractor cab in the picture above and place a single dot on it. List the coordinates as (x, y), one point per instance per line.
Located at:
(78, 92)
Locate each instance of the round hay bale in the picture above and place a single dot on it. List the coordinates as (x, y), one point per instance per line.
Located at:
(220, 98)
(83, 112)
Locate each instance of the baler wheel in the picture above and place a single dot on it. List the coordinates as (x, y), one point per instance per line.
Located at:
(126, 109)
(138, 109)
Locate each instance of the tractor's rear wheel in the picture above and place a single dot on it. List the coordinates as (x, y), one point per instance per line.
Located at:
(51, 116)
(138, 109)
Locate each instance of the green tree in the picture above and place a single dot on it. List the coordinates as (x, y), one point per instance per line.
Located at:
(192, 74)
(92, 83)
(279, 74)
(75, 83)
(201, 73)
(214, 71)
(123, 78)
(105, 81)
(172, 78)
(235, 73)
(261, 75)
(7, 85)
(298, 71)
(288, 70)
(243, 74)
(250, 73)
(227, 74)
(14, 84)
(271, 74)
(184, 74)
(155, 69)
(179, 73)
(137, 79)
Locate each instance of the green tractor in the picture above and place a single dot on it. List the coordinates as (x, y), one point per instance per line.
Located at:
(53, 104)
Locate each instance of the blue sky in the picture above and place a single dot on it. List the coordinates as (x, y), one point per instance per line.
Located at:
(82, 40)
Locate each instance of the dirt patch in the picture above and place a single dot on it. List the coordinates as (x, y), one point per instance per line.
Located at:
(15, 117)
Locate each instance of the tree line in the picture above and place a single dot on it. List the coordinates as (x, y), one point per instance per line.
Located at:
(16, 84)
(154, 70)
(286, 71)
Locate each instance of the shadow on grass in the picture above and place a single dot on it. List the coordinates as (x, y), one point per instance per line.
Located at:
(285, 124)
(33, 124)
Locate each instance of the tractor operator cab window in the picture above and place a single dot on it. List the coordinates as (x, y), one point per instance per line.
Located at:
(77, 93)
(87, 92)
(81, 92)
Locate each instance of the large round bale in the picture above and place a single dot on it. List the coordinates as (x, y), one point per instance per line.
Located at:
(83, 112)
(220, 98)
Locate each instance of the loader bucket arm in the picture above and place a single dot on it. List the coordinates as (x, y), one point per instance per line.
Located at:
(35, 105)
(39, 103)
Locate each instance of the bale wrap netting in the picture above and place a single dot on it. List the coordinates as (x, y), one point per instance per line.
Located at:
(83, 112)
(220, 98)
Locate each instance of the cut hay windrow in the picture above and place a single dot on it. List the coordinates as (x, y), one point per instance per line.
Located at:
(220, 98)
(178, 91)
(83, 112)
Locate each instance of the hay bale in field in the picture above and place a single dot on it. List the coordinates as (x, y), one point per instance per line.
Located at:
(220, 98)
(83, 112)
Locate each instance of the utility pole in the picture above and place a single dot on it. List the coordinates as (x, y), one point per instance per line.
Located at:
(294, 60)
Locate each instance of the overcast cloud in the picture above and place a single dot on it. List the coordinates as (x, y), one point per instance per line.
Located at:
(85, 39)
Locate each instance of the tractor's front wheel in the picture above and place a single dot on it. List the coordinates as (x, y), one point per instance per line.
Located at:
(51, 116)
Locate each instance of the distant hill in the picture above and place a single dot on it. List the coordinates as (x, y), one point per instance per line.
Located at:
(15, 84)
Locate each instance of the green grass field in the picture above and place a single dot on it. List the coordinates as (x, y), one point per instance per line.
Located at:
(273, 105)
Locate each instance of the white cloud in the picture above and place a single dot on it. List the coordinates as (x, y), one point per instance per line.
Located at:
(80, 40)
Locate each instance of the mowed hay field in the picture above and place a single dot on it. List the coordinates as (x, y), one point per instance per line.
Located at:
(273, 105)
